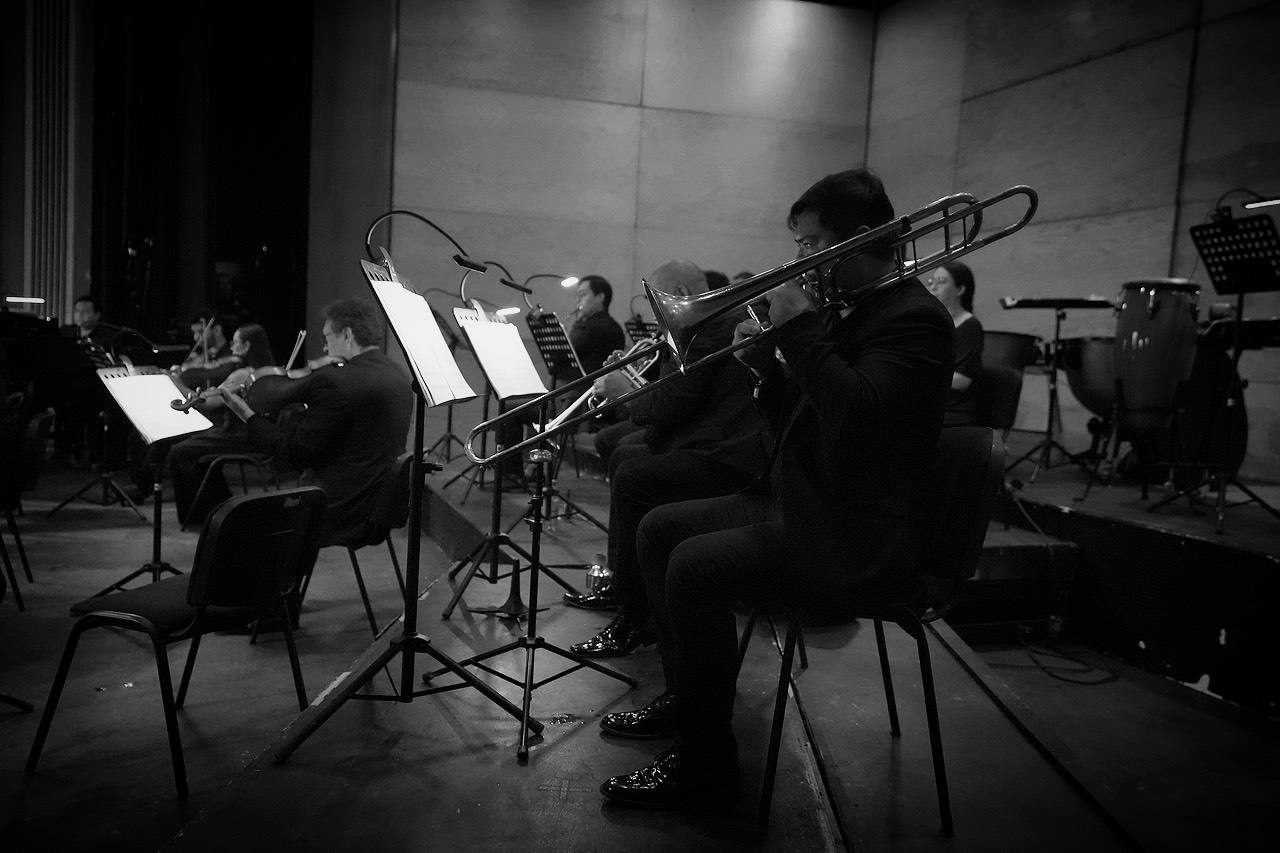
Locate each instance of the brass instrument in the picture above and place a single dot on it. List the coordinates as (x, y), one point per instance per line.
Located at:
(682, 318)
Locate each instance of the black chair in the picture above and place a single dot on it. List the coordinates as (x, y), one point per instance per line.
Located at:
(390, 513)
(11, 431)
(253, 550)
(998, 391)
(970, 476)
(214, 463)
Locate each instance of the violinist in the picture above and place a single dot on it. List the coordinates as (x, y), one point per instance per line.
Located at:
(355, 424)
(211, 359)
(187, 458)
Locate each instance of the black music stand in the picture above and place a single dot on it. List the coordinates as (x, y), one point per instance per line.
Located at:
(1242, 256)
(504, 351)
(146, 397)
(531, 641)
(558, 353)
(1053, 419)
(434, 381)
(641, 330)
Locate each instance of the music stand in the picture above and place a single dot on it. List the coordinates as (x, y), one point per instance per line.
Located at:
(1053, 418)
(145, 397)
(512, 376)
(442, 447)
(531, 641)
(1242, 256)
(641, 330)
(436, 381)
(557, 350)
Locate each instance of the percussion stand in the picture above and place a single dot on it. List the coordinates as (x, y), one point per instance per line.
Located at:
(531, 641)
(1053, 421)
(1241, 256)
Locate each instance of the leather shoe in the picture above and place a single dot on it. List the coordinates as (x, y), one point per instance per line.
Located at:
(653, 721)
(605, 599)
(621, 637)
(666, 784)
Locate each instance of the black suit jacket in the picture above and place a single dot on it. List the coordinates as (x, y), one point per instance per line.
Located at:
(708, 410)
(860, 409)
(355, 425)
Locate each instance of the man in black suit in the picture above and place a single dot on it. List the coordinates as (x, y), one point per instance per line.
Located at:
(857, 401)
(355, 424)
(702, 437)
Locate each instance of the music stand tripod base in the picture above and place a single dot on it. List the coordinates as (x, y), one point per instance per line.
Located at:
(157, 566)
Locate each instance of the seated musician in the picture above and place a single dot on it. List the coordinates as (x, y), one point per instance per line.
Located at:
(355, 424)
(857, 400)
(595, 334)
(952, 284)
(702, 438)
(83, 408)
(187, 458)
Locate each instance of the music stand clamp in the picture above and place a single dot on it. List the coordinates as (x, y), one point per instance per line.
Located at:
(1241, 256)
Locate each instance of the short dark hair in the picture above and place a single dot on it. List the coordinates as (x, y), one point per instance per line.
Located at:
(715, 279)
(844, 202)
(358, 315)
(213, 318)
(599, 284)
(963, 277)
(260, 354)
(91, 299)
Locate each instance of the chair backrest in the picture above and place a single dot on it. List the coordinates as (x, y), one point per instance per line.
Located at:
(970, 474)
(11, 428)
(391, 512)
(33, 446)
(255, 547)
(998, 390)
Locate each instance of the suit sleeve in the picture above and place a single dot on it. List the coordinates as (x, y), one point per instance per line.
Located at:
(684, 397)
(309, 438)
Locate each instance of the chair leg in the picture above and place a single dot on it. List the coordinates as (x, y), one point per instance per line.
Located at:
(8, 572)
(55, 693)
(294, 663)
(186, 671)
(887, 676)
(364, 593)
(804, 654)
(746, 638)
(935, 729)
(775, 734)
(395, 563)
(170, 716)
(17, 540)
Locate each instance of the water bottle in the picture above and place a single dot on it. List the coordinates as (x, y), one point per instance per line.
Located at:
(598, 578)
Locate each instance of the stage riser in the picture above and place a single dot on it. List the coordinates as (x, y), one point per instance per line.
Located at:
(1176, 605)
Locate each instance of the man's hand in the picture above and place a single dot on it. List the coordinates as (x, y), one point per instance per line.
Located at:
(788, 301)
(611, 386)
(239, 405)
(756, 357)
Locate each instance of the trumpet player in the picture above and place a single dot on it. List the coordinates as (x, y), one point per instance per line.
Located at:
(702, 437)
(856, 403)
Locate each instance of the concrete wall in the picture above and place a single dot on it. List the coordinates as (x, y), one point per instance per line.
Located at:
(1130, 119)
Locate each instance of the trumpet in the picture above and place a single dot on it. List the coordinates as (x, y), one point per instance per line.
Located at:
(682, 318)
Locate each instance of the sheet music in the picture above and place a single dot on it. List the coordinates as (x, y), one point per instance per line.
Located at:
(502, 356)
(419, 334)
(145, 400)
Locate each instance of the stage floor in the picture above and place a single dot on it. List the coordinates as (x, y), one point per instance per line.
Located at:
(1034, 762)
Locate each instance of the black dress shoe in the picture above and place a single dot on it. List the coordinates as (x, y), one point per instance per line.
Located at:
(605, 599)
(653, 721)
(667, 784)
(621, 637)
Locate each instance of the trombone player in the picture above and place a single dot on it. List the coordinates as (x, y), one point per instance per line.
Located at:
(702, 438)
(856, 402)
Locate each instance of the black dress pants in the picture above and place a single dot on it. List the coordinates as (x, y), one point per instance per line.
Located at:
(699, 558)
(643, 480)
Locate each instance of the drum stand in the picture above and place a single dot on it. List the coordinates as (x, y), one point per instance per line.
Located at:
(1218, 477)
(1053, 422)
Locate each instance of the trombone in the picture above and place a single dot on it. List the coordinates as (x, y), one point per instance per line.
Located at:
(682, 318)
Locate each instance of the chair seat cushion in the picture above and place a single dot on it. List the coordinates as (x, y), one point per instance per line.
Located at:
(164, 603)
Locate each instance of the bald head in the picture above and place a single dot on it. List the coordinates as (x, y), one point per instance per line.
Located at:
(678, 276)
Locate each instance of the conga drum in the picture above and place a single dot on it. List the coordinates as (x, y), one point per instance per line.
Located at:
(1090, 365)
(1009, 349)
(1155, 347)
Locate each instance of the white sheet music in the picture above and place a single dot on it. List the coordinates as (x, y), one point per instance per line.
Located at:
(419, 335)
(502, 355)
(145, 400)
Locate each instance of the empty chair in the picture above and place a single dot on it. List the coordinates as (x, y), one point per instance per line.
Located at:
(252, 552)
(970, 475)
